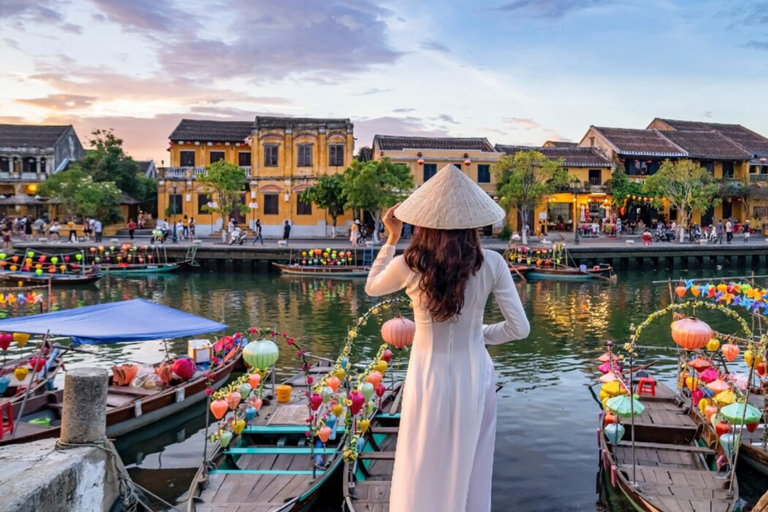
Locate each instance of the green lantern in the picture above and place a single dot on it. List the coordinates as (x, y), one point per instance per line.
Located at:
(31, 254)
(261, 354)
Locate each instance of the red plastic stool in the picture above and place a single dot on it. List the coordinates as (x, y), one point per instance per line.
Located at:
(6, 419)
(646, 386)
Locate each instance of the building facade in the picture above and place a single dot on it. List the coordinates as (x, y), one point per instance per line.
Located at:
(28, 155)
(281, 158)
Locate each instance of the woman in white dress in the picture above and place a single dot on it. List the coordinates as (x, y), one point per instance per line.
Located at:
(445, 446)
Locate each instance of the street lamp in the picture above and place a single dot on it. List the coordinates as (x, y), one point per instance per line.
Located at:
(576, 188)
(174, 187)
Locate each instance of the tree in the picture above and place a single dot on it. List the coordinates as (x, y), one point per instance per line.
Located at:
(79, 194)
(226, 181)
(106, 161)
(327, 193)
(375, 185)
(686, 185)
(623, 190)
(524, 179)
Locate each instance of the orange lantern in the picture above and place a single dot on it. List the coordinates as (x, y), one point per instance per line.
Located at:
(680, 291)
(219, 408)
(324, 433)
(333, 382)
(398, 332)
(254, 379)
(233, 400)
(374, 378)
(691, 333)
(730, 351)
(709, 411)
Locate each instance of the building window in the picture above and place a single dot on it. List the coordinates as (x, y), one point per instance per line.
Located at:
(595, 177)
(5, 165)
(271, 204)
(175, 204)
(203, 200)
(187, 158)
(728, 170)
(483, 173)
(429, 171)
(270, 156)
(305, 155)
(216, 156)
(336, 155)
(42, 165)
(244, 159)
(303, 208)
(708, 165)
(29, 165)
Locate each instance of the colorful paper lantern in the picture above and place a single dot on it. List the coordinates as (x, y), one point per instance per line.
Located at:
(730, 351)
(614, 432)
(224, 438)
(20, 338)
(333, 382)
(233, 400)
(691, 333)
(324, 433)
(219, 408)
(261, 354)
(398, 332)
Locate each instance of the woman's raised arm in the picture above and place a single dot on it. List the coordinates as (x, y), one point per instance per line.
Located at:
(388, 274)
(515, 325)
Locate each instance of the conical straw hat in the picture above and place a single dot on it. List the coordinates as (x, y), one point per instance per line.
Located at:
(450, 200)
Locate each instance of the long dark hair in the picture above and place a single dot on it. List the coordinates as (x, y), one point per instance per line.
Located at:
(445, 259)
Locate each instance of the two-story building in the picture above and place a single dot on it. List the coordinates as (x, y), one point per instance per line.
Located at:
(29, 154)
(562, 211)
(281, 157)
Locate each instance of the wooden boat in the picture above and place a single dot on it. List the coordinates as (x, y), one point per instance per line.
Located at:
(672, 461)
(519, 270)
(567, 273)
(17, 388)
(269, 467)
(367, 481)
(128, 408)
(140, 268)
(323, 271)
(30, 278)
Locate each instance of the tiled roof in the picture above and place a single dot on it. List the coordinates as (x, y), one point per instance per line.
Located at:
(640, 142)
(30, 136)
(398, 143)
(211, 131)
(573, 156)
(300, 122)
(752, 142)
(560, 144)
(707, 145)
(365, 154)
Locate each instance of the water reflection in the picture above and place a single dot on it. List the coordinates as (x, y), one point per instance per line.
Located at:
(546, 448)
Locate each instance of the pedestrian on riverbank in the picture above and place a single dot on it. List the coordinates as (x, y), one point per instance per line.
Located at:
(747, 232)
(97, 230)
(257, 233)
(728, 231)
(448, 277)
(286, 231)
(185, 227)
(131, 228)
(720, 230)
(72, 231)
(7, 231)
(192, 227)
(647, 238)
(354, 233)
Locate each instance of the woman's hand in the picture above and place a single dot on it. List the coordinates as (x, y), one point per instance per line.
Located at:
(393, 225)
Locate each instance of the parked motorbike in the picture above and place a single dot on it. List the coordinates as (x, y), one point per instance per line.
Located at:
(238, 236)
(666, 235)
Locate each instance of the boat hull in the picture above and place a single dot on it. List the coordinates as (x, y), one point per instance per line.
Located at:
(307, 271)
(55, 280)
(141, 269)
(569, 274)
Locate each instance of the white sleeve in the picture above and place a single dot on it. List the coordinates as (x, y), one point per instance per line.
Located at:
(388, 274)
(515, 325)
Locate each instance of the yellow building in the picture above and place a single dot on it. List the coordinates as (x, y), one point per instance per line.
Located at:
(281, 156)
(564, 210)
(642, 151)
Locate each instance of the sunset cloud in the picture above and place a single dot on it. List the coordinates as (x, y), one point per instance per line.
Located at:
(60, 101)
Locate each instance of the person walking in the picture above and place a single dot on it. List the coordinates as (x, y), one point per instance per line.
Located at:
(192, 227)
(131, 228)
(729, 231)
(72, 231)
(747, 232)
(286, 231)
(354, 232)
(97, 231)
(257, 233)
(185, 228)
(450, 379)
(720, 230)
(7, 232)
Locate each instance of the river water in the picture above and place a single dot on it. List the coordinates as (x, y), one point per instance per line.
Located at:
(546, 455)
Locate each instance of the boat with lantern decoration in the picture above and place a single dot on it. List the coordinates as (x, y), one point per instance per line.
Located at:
(137, 395)
(276, 445)
(552, 263)
(130, 259)
(324, 263)
(31, 278)
(34, 371)
(651, 440)
(32, 268)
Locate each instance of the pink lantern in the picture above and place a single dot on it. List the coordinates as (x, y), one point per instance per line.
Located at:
(708, 375)
(380, 389)
(608, 377)
(315, 401)
(398, 332)
(5, 340)
(233, 400)
(718, 386)
(358, 400)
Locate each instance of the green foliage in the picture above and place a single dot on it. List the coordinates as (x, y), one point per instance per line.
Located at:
(226, 181)
(622, 188)
(525, 178)
(375, 185)
(686, 185)
(79, 194)
(106, 162)
(327, 193)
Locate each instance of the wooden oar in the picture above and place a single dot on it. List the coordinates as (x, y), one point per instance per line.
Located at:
(519, 274)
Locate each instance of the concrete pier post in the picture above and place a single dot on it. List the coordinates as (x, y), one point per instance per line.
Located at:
(84, 415)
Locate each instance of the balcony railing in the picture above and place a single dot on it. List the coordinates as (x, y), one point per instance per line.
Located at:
(756, 178)
(22, 176)
(596, 189)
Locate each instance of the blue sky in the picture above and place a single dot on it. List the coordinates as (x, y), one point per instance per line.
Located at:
(515, 71)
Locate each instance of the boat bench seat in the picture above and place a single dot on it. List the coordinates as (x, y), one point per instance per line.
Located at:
(385, 430)
(130, 390)
(280, 429)
(377, 455)
(263, 472)
(257, 450)
(387, 416)
(670, 447)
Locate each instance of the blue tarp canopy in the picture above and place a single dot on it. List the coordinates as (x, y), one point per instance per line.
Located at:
(129, 320)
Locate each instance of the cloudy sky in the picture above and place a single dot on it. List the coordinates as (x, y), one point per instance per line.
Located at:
(515, 71)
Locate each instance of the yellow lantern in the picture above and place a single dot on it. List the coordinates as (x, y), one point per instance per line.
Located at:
(337, 410)
(381, 366)
(340, 373)
(20, 338)
(752, 359)
(703, 403)
(691, 383)
(20, 373)
(364, 424)
(726, 397)
(713, 345)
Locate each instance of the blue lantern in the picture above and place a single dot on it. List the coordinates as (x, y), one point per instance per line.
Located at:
(614, 432)
(250, 413)
(728, 441)
(5, 382)
(332, 424)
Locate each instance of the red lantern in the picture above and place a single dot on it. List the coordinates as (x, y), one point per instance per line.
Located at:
(467, 162)
(398, 332)
(761, 369)
(723, 428)
(610, 418)
(691, 333)
(420, 161)
(386, 356)
(751, 427)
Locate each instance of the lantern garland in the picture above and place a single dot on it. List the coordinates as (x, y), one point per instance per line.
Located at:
(751, 298)
(326, 257)
(529, 256)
